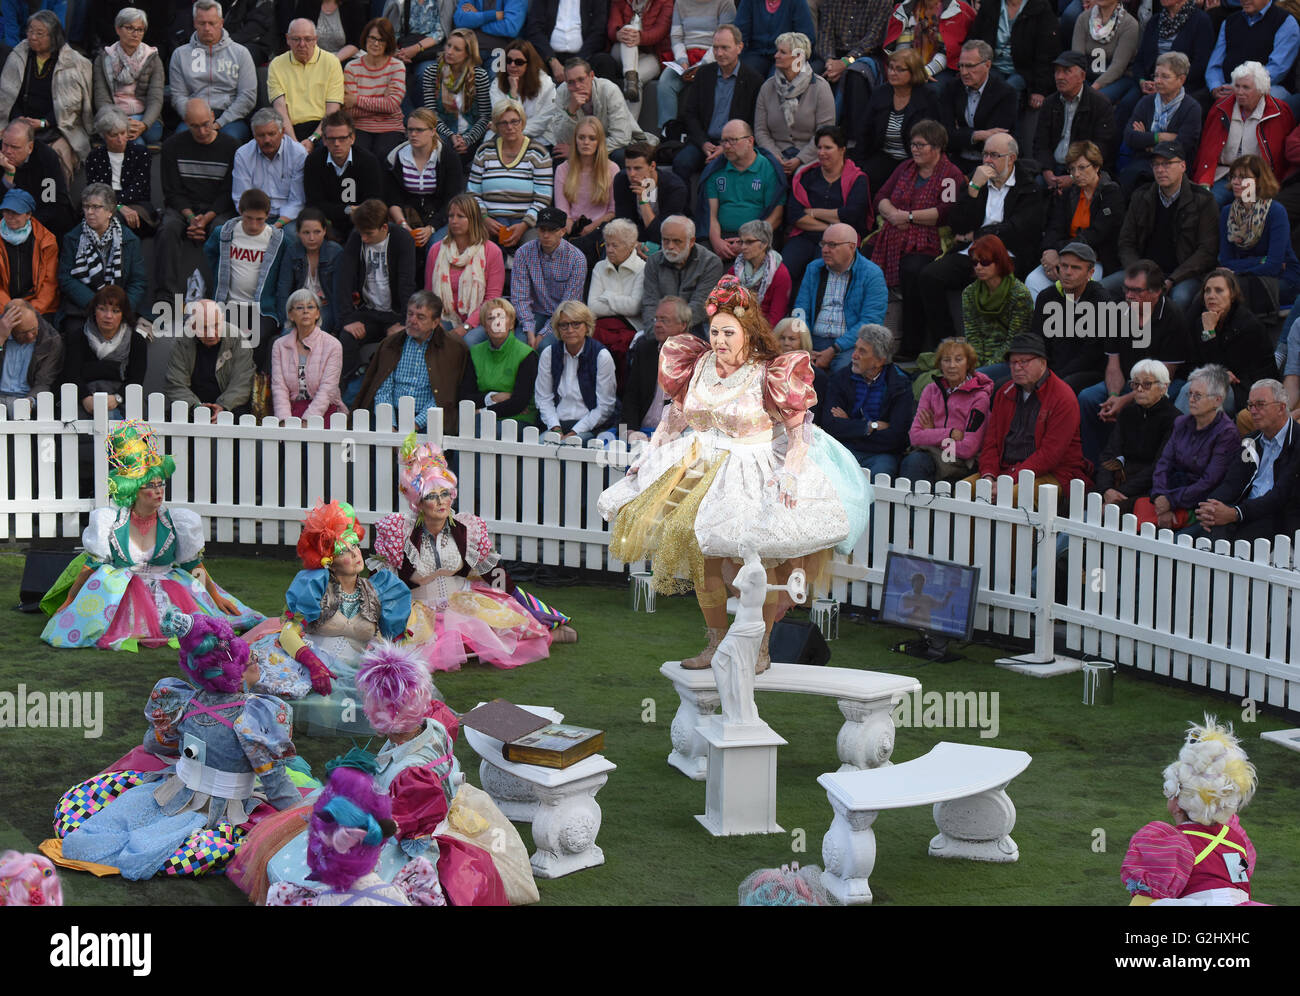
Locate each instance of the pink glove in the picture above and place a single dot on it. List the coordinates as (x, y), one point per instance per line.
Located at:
(320, 674)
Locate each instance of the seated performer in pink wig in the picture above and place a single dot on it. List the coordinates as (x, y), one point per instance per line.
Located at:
(449, 562)
(1205, 859)
(28, 880)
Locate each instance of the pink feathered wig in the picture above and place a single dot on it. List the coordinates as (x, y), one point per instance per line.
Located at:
(424, 470)
(28, 880)
(211, 655)
(396, 691)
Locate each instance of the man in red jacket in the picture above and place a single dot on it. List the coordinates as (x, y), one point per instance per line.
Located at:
(1034, 424)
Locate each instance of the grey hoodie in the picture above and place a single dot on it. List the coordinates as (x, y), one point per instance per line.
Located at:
(223, 75)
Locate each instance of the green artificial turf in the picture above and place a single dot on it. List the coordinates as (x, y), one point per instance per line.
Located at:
(1094, 780)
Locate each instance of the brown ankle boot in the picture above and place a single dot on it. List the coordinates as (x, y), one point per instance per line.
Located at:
(632, 87)
(704, 658)
(764, 656)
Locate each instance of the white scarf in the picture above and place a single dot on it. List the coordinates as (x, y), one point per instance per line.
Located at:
(789, 92)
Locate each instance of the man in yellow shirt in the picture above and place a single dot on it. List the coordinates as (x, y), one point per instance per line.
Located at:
(304, 84)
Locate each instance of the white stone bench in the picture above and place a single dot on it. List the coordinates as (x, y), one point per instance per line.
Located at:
(866, 700)
(964, 782)
(560, 803)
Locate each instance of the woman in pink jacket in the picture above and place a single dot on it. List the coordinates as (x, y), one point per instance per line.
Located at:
(950, 419)
(306, 363)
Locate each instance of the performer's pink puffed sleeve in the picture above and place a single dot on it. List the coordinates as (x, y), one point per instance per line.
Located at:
(788, 387)
(677, 359)
(1158, 863)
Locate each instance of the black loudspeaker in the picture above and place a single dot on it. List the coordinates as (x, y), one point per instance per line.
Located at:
(41, 569)
(798, 643)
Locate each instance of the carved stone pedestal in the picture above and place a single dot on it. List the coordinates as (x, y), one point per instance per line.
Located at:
(740, 793)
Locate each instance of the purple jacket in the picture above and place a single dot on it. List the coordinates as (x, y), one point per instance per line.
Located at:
(1194, 462)
(956, 411)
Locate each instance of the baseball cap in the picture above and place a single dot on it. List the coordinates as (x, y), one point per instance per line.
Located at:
(551, 218)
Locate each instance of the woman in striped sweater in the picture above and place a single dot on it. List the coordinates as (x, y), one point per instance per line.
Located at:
(457, 89)
(512, 178)
(373, 88)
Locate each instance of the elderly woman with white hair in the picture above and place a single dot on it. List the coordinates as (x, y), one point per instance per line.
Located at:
(129, 75)
(126, 167)
(306, 363)
(1248, 121)
(1196, 457)
(617, 284)
(792, 104)
(1141, 430)
(577, 386)
(760, 270)
(868, 404)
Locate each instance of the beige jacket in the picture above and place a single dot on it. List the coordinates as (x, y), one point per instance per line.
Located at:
(72, 91)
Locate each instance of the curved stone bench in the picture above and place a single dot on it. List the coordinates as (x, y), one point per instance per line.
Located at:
(866, 700)
(966, 785)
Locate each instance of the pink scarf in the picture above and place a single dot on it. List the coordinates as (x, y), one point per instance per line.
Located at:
(123, 71)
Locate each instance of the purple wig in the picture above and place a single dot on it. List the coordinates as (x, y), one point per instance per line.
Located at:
(395, 687)
(211, 655)
(349, 824)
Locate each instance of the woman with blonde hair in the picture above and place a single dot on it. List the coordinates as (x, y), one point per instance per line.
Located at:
(950, 419)
(584, 186)
(465, 269)
(456, 88)
(421, 178)
(580, 405)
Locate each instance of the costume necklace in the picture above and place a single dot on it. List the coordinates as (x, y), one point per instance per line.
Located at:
(144, 523)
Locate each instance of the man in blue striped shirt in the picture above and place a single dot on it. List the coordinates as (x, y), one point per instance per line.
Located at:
(547, 270)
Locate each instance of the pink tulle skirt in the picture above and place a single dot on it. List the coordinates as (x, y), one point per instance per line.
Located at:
(490, 623)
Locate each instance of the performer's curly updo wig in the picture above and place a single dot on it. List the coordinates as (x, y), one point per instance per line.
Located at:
(1212, 778)
(211, 655)
(349, 823)
(328, 530)
(133, 461)
(396, 691)
(423, 470)
(732, 298)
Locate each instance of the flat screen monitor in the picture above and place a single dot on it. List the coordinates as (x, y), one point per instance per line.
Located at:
(933, 596)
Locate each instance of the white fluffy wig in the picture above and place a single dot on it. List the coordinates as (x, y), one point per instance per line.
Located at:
(1212, 778)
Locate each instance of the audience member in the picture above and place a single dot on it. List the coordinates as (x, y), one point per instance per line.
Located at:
(882, 135)
(1260, 32)
(512, 178)
(951, 418)
(576, 385)
(1166, 114)
(744, 184)
(617, 292)
(762, 22)
(1257, 497)
(421, 27)
(216, 69)
(421, 178)
(465, 269)
(47, 83)
(839, 294)
(1128, 460)
(245, 255)
(197, 170)
(936, 29)
(491, 22)
(645, 196)
(638, 38)
(1033, 424)
(644, 399)
(848, 32)
(99, 252)
(760, 270)
(724, 90)
(337, 173)
(456, 88)
(305, 364)
(822, 194)
(505, 368)
(546, 271)
(272, 163)
(339, 24)
(869, 403)
(376, 277)
(304, 84)
(420, 361)
(1074, 113)
(561, 30)
(995, 307)
(29, 264)
(30, 166)
(1201, 447)
(1254, 234)
(211, 364)
(582, 94)
(130, 76)
(127, 168)
(1246, 121)
(1001, 199)
(31, 354)
(1073, 304)
(103, 353)
(976, 105)
(584, 187)
(695, 23)
(1090, 210)
(374, 87)
(310, 263)
(1177, 26)
(682, 268)
(524, 79)
(1025, 38)
(1108, 39)
(1226, 333)
(914, 204)
(792, 104)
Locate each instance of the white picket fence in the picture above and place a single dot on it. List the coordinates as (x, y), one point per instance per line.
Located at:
(1215, 619)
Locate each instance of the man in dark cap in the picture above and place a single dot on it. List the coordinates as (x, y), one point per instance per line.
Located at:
(1034, 423)
(1070, 318)
(1075, 113)
(546, 271)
